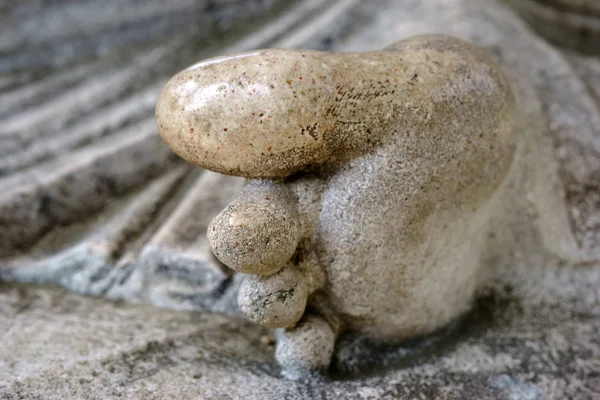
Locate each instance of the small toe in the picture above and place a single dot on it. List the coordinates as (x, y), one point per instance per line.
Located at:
(276, 301)
(259, 231)
(306, 349)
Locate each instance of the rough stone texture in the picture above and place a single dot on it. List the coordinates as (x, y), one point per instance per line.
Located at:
(97, 203)
(77, 97)
(411, 146)
(275, 301)
(258, 233)
(58, 345)
(304, 351)
(147, 242)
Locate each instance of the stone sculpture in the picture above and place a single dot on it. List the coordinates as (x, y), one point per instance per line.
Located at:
(370, 179)
(92, 200)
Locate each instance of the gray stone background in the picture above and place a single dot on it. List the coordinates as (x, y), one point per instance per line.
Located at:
(92, 202)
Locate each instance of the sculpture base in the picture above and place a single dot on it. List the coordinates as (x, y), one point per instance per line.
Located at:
(59, 345)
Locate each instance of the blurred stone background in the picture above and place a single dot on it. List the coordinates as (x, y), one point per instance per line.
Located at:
(92, 202)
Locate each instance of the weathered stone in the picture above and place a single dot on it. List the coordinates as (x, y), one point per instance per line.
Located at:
(410, 145)
(272, 113)
(275, 301)
(59, 345)
(78, 96)
(258, 233)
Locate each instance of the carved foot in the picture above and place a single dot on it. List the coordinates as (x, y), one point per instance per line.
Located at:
(411, 145)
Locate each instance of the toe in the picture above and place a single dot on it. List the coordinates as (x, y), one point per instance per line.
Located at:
(257, 233)
(306, 349)
(276, 301)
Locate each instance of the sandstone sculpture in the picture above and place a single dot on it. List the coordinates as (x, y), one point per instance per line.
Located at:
(371, 177)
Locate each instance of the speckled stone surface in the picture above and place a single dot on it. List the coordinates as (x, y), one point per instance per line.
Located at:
(58, 345)
(409, 147)
(96, 203)
(93, 201)
(273, 113)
